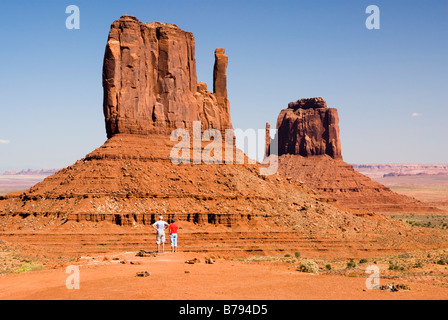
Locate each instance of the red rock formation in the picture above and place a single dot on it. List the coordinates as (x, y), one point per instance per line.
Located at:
(150, 88)
(150, 83)
(267, 139)
(307, 128)
(220, 85)
(309, 152)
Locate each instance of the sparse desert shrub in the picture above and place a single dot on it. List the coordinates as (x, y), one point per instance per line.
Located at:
(362, 261)
(328, 267)
(402, 286)
(297, 255)
(287, 255)
(29, 267)
(308, 266)
(351, 264)
(395, 266)
(418, 264)
(441, 262)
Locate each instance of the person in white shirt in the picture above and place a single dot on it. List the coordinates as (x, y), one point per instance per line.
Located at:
(160, 237)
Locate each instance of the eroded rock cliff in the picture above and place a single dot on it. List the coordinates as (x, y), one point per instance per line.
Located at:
(150, 82)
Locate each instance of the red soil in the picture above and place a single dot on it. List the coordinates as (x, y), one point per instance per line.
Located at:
(222, 280)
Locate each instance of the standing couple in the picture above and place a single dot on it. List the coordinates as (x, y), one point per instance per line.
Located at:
(160, 237)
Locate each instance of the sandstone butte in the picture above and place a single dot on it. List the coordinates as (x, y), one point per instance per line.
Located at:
(150, 83)
(309, 150)
(151, 88)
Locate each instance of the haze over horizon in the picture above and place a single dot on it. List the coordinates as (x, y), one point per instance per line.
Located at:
(389, 85)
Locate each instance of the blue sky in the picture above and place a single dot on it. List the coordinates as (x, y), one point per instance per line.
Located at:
(389, 85)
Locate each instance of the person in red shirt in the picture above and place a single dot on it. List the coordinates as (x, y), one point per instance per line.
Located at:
(173, 235)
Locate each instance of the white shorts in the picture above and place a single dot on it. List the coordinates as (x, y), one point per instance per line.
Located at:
(160, 237)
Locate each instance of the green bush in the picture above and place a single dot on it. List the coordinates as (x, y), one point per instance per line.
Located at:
(308, 266)
(395, 266)
(351, 264)
(362, 261)
(29, 267)
(418, 264)
(328, 267)
(402, 286)
(297, 254)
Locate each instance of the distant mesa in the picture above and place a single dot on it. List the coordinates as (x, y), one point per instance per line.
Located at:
(401, 170)
(31, 172)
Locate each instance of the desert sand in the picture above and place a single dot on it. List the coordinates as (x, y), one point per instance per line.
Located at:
(171, 278)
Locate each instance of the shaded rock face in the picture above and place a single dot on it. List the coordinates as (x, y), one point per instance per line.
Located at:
(308, 128)
(150, 83)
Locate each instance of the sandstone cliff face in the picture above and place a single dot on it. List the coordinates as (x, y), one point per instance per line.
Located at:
(307, 128)
(150, 83)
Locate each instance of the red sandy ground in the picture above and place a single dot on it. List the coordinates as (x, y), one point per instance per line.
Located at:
(223, 280)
